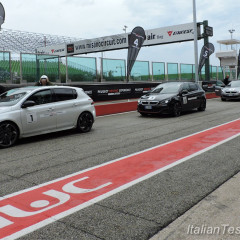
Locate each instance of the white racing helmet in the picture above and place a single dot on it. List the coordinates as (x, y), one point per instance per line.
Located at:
(44, 76)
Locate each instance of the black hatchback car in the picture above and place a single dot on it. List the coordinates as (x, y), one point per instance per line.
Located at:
(173, 98)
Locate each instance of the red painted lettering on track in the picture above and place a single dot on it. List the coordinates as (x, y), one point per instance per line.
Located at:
(30, 209)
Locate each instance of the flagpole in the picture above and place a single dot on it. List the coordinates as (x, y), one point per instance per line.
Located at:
(195, 41)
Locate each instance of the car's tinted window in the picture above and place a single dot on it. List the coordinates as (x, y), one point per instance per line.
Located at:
(186, 87)
(193, 86)
(166, 88)
(219, 83)
(63, 94)
(41, 97)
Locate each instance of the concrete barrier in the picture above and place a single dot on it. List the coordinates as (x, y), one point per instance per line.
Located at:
(120, 107)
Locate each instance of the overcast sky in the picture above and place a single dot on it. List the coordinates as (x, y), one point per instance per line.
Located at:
(97, 18)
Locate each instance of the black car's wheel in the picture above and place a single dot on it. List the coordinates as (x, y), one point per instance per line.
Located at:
(176, 110)
(143, 114)
(223, 99)
(8, 134)
(85, 122)
(202, 106)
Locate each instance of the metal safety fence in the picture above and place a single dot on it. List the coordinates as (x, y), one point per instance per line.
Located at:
(27, 68)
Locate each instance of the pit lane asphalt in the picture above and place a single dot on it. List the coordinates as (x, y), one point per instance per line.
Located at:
(139, 211)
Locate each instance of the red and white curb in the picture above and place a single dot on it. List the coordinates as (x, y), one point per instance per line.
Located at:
(28, 210)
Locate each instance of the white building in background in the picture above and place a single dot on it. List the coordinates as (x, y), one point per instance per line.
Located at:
(228, 56)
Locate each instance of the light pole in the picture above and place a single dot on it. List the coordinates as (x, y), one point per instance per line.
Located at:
(195, 41)
(231, 32)
(125, 28)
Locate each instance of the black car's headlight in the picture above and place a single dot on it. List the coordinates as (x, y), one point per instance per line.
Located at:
(165, 102)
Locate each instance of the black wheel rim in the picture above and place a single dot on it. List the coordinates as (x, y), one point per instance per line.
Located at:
(85, 122)
(8, 134)
(203, 106)
(176, 110)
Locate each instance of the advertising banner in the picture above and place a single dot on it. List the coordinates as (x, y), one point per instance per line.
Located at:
(136, 40)
(59, 49)
(114, 91)
(164, 35)
(100, 44)
(206, 51)
(171, 34)
(106, 92)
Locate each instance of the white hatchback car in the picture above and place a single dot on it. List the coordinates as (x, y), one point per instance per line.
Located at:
(32, 111)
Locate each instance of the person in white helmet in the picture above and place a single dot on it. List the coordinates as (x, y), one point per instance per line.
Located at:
(43, 81)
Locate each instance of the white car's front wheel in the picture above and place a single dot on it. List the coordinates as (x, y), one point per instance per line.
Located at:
(8, 134)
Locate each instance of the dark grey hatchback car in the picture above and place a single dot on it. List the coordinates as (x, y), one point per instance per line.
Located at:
(173, 98)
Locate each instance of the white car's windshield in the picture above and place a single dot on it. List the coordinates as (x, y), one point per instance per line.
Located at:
(234, 84)
(11, 97)
(167, 88)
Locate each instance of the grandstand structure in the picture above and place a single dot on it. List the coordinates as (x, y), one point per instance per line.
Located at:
(20, 41)
(19, 62)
